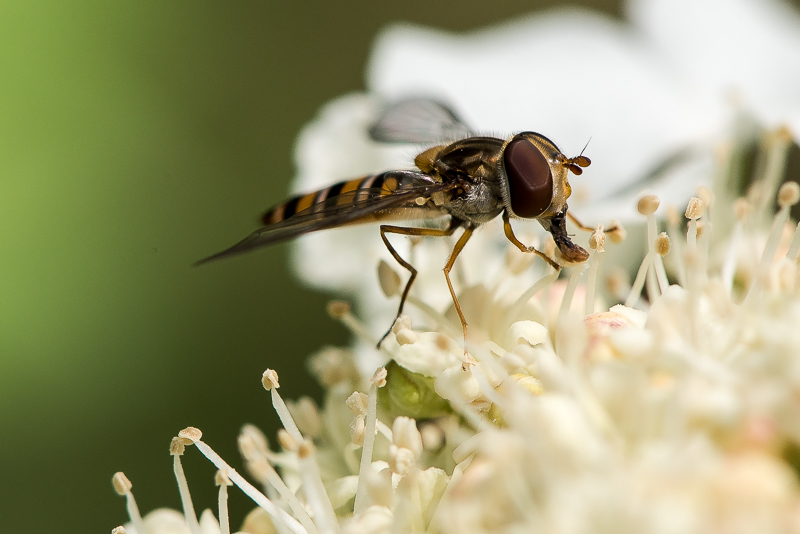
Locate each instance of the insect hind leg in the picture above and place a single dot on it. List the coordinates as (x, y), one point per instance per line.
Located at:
(423, 232)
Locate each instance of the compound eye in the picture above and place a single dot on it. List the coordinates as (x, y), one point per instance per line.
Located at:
(530, 182)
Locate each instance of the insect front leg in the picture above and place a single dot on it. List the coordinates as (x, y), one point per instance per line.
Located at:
(517, 243)
(425, 232)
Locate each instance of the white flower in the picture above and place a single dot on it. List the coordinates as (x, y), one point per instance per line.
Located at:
(675, 413)
(667, 84)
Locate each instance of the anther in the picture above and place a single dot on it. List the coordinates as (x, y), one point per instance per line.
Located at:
(338, 309)
(379, 378)
(695, 208)
(662, 244)
(648, 204)
(270, 379)
(388, 278)
(357, 403)
(286, 441)
(788, 194)
(597, 240)
(121, 483)
(190, 434)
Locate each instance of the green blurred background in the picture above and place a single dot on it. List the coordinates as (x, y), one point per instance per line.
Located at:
(136, 138)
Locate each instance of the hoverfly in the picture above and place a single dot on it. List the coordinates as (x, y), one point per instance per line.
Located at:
(471, 180)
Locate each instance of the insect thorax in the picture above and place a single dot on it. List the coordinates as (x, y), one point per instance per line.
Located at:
(480, 204)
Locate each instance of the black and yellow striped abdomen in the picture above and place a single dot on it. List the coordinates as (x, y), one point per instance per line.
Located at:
(349, 192)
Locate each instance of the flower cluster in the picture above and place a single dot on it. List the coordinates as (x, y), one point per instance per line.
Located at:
(675, 411)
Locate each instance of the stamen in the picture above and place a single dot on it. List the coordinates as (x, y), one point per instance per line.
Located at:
(788, 195)
(440, 320)
(597, 244)
(777, 147)
(794, 247)
(662, 249)
(638, 283)
(378, 380)
(694, 210)
(566, 300)
(618, 283)
(515, 309)
(673, 228)
(176, 449)
(253, 451)
(340, 311)
(123, 487)
(118, 530)
(259, 498)
(270, 381)
(315, 491)
(222, 480)
(741, 209)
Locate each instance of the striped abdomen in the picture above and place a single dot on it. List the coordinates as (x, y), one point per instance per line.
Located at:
(374, 186)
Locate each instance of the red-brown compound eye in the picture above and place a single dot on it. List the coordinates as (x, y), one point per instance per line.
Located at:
(530, 182)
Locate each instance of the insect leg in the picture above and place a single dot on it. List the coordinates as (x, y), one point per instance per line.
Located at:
(582, 226)
(425, 232)
(468, 229)
(517, 243)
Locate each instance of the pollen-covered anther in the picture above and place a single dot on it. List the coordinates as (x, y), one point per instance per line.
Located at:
(788, 194)
(269, 379)
(221, 479)
(379, 378)
(617, 233)
(401, 460)
(177, 446)
(695, 208)
(597, 240)
(648, 204)
(121, 483)
(358, 428)
(190, 435)
(388, 278)
(338, 309)
(406, 336)
(286, 441)
(118, 530)
(742, 208)
(662, 244)
(357, 403)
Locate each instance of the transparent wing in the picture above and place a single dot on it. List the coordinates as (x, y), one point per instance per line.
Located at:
(418, 120)
(347, 208)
